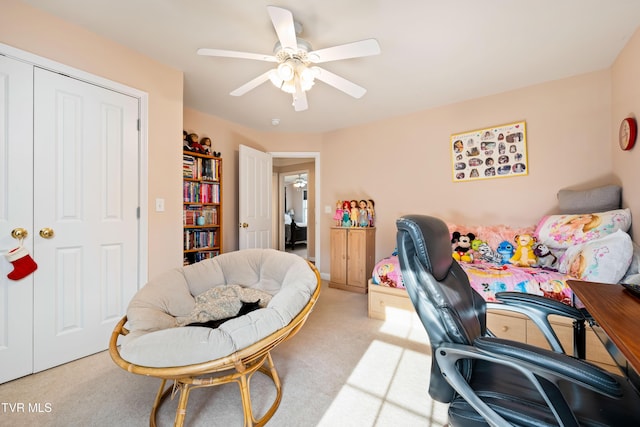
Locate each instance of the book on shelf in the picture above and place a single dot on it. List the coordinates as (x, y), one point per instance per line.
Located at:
(200, 192)
(200, 239)
(193, 257)
(200, 168)
(191, 213)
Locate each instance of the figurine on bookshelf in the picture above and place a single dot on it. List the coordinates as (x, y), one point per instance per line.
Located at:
(206, 146)
(186, 146)
(194, 144)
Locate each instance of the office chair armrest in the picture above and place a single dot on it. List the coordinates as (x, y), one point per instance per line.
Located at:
(538, 309)
(559, 365)
(449, 355)
(540, 303)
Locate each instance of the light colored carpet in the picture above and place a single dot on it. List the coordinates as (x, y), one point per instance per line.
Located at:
(341, 369)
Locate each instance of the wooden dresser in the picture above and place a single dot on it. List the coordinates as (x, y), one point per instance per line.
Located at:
(352, 257)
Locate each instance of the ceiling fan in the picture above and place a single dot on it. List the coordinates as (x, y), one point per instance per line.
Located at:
(295, 72)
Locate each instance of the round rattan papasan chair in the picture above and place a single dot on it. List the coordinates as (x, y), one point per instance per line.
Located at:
(151, 339)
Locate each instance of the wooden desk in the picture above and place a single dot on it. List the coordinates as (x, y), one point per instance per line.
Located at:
(617, 312)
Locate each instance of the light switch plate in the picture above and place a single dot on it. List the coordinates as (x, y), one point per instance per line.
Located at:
(159, 205)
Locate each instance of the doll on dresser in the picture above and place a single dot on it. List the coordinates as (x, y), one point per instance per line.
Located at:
(363, 219)
(354, 212)
(337, 217)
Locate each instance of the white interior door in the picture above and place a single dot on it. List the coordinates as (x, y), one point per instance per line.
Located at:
(16, 211)
(254, 198)
(86, 191)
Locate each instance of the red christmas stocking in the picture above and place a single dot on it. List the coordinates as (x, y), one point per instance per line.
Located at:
(23, 264)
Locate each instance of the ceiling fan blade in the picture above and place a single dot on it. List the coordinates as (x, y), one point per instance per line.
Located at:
(359, 49)
(251, 84)
(285, 28)
(339, 83)
(300, 99)
(235, 54)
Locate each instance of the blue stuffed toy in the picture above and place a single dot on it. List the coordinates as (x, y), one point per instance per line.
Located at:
(506, 251)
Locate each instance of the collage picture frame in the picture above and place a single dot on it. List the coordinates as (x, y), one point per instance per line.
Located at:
(494, 152)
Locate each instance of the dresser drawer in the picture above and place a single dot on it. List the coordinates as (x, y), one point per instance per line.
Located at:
(381, 298)
(513, 327)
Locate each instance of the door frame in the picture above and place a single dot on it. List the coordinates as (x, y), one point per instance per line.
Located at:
(316, 156)
(143, 99)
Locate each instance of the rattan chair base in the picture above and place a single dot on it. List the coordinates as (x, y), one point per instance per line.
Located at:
(185, 385)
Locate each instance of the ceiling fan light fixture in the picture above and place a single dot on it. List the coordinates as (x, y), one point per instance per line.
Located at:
(299, 182)
(286, 71)
(294, 73)
(289, 86)
(306, 77)
(275, 78)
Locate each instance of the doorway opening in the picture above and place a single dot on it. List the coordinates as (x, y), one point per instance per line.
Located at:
(296, 212)
(296, 189)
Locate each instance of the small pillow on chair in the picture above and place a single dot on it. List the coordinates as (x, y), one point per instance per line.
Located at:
(599, 199)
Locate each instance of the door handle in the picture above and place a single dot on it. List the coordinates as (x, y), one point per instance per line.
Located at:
(47, 233)
(19, 233)
(244, 225)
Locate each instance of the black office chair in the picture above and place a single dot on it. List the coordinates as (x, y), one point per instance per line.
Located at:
(493, 381)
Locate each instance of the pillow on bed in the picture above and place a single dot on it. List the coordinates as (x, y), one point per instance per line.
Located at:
(564, 231)
(603, 260)
(599, 199)
(387, 272)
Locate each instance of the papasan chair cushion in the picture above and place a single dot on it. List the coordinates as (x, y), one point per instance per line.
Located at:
(155, 338)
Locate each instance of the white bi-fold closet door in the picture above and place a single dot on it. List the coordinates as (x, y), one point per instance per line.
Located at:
(69, 177)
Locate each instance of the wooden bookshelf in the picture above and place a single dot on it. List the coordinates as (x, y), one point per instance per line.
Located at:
(202, 206)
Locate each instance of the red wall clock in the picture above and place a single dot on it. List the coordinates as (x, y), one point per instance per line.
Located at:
(627, 134)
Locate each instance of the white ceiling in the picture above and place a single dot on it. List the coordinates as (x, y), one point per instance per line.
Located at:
(434, 52)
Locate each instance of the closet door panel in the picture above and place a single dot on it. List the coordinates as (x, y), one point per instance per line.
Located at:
(87, 143)
(16, 211)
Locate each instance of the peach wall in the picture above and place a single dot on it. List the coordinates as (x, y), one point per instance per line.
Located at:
(404, 163)
(626, 102)
(34, 31)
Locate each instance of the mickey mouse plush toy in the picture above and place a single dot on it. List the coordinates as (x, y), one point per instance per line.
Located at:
(462, 246)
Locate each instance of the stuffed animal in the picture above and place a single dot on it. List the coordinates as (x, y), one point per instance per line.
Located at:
(462, 246)
(487, 254)
(475, 244)
(546, 259)
(505, 250)
(523, 255)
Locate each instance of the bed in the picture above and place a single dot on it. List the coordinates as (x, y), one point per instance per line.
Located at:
(295, 233)
(602, 252)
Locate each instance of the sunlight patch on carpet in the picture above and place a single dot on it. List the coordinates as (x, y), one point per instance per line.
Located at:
(389, 386)
(404, 324)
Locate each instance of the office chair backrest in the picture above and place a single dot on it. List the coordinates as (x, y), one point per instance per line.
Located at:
(450, 310)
